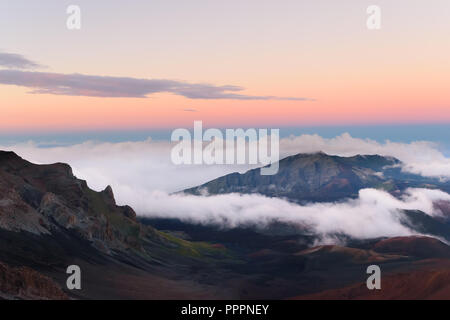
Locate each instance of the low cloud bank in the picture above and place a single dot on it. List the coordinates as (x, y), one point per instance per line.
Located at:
(146, 165)
(143, 176)
(419, 157)
(373, 214)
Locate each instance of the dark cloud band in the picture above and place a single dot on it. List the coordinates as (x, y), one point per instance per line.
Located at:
(13, 60)
(104, 86)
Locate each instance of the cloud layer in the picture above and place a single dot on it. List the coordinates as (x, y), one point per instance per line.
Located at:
(142, 175)
(374, 214)
(147, 164)
(419, 157)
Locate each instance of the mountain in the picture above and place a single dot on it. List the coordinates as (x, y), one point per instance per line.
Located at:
(46, 199)
(50, 220)
(321, 177)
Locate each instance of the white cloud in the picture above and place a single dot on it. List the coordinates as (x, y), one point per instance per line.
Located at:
(420, 157)
(374, 214)
(146, 165)
(142, 175)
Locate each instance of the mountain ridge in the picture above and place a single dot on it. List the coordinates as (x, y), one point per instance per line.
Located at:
(49, 219)
(319, 177)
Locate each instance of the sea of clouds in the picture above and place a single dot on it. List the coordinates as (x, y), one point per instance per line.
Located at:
(143, 176)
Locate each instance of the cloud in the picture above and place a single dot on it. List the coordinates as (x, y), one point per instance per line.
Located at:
(373, 214)
(147, 164)
(142, 175)
(13, 60)
(123, 87)
(419, 157)
(136, 165)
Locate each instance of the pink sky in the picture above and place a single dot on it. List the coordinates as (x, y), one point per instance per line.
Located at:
(321, 51)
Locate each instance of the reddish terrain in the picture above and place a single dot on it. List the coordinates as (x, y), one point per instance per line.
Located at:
(430, 281)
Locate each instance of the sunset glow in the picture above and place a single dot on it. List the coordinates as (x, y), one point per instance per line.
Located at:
(348, 74)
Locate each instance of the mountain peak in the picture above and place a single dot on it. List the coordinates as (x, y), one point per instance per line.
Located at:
(316, 177)
(49, 199)
(109, 191)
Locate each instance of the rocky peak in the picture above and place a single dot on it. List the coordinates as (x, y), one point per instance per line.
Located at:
(109, 195)
(43, 199)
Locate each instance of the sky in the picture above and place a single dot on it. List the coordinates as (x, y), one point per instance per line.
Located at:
(159, 65)
(106, 98)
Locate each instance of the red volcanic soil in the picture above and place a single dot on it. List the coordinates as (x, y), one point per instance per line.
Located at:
(25, 283)
(426, 276)
(337, 254)
(432, 282)
(423, 247)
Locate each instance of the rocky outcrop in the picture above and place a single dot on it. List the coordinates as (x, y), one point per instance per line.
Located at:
(50, 220)
(43, 199)
(25, 283)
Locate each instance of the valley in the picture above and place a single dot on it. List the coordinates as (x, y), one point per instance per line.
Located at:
(49, 220)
